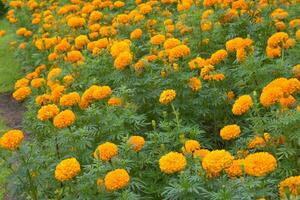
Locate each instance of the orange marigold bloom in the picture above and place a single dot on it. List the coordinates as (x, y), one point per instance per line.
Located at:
(75, 56)
(157, 39)
(123, 60)
(287, 102)
(136, 142)
(218, 56)
(216, 161)
(167, 96)
(11, 140)
(70, 99)
(23, 82)
(235, 169)
(81, 41)
(195, 84)
(116, 179)
(119, 47)
(230, 132)
(190, 146)
(136, 34)
(242, 105)
(47, 112)
(179, 51)
(37, 82)
(289, 187)
(260, 164)
(172, 162)
(76, 22)
(200, 153)
(115, 101)
(21, 93)
(64, 119)
(259, 141)
(101, 92)
(67, 169)
(43, 99)
(171, 43)
(106, 151)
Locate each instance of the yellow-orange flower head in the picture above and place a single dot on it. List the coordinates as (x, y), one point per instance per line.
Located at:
(67, 169)
(172, 162)
(290, 185)
(136, 142)
(47, 112)
(260, 164)
(21, 93)
(242, 105)
(235, 169)
(230, 132)
(216, 161)
(167, 96)
(64, 119)
(117, 179)
(11, 139)
(106, 151)
(190, 146)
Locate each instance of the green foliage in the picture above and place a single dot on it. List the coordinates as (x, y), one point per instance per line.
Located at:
(192, 115)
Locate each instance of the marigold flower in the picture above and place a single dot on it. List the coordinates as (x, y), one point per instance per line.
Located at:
(172, 162)
(230, 132)
(119, 47)
(190, 146)
(11, 140)
(81, 41)
(106, 151)
(157, 39)
(75, 56)
(235, 169)
(260, 164)
(116, 179)
(195, 84)
(21, 93)
(167, 96)
(64, 119)
(47, 112)
(136, 142)
(37, 82)
(115, 101)
(200, 153)
(23, 82)
(43, 99)
(101, 92)
(289, 187)
(136, 34)
(70, 99)
(242, 105)
(67, 169)
(123, 60)
(216, 161)
(171, 43)
(179, 51)
(259, 141)
(76, 22)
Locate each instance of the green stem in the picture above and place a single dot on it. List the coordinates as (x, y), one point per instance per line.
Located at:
(176, 113)
(32, 187)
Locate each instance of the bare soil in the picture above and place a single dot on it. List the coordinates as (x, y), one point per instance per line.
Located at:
(11, 111)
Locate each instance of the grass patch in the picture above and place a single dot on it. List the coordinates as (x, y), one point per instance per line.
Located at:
(9, 73)
(4, 172)
(9, 67)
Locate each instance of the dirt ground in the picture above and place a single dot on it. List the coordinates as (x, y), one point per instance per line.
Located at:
(11, 111)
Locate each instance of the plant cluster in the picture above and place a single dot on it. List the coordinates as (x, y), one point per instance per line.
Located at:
(158, 99)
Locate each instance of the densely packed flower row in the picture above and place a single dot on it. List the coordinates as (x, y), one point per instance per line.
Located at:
(156, 99)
